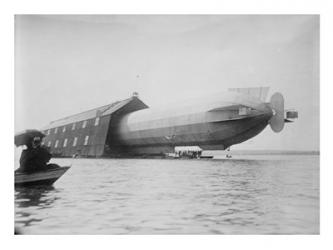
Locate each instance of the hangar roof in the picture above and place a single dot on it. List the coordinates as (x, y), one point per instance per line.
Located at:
(132, 104)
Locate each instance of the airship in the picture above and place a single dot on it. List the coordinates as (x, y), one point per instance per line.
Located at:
(131, 128)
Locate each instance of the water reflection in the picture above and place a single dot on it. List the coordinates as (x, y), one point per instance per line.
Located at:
(131, 196)
(30, 199)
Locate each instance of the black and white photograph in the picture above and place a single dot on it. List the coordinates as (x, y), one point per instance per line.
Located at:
(166, 124)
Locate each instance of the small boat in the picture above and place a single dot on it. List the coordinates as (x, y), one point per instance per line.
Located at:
(46, 177)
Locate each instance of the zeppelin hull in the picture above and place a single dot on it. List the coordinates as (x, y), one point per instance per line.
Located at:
(208, 135)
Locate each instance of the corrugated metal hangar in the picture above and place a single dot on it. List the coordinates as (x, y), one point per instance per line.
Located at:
(90, 133)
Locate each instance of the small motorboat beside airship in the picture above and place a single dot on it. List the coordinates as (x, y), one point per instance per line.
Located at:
(130, 128)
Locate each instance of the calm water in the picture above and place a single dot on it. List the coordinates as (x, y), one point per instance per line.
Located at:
(249, 195)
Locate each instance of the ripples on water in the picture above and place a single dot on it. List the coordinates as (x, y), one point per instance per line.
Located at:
(147, 196)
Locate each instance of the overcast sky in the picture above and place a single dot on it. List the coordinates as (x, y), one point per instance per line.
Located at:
(68, 64)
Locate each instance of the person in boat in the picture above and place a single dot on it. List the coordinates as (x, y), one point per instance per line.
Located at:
(35, 157)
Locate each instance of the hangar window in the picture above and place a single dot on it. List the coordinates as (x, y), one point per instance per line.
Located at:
(49, 144)
(65, 142)
(75, 141)
(96, 121)
(86, 139)
(84, 124)
(64, 129)
(56, 130)
(48, 132)
(56, 143)
(73, 126)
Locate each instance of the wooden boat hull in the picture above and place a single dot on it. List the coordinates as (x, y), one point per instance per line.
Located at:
(47, 177)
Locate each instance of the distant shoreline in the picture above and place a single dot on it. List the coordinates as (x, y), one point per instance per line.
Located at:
(262, 152)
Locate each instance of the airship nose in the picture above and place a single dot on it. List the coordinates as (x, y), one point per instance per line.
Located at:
(268, 114)
(271, 113)
(261, 114)
(268, 111)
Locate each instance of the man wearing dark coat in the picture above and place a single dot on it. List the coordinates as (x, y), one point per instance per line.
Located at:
(35, 157)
